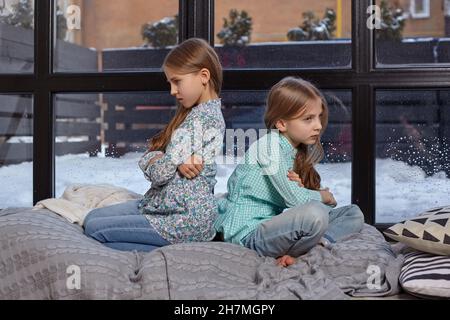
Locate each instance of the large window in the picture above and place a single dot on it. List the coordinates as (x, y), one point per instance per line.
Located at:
(336, 167)
(283, 34)
(16, 150)
(412, 33)
(100, 137)
(78, 106)
(16, 36)
(413, 152)
(110, 35)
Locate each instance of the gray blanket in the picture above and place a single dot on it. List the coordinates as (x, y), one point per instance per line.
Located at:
(42, 256)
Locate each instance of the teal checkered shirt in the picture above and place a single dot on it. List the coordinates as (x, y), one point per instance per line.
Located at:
(259, 188)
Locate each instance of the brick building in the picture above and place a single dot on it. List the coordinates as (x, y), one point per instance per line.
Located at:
(117, 23)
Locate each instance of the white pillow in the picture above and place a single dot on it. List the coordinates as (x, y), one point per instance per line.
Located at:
(428, 232)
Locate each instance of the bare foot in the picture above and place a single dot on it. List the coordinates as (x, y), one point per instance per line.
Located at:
(285, 261)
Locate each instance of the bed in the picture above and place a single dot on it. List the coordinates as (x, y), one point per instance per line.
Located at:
(44, 256)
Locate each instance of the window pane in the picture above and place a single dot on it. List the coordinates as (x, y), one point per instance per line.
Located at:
(100, 137)
(283, 34)
(245, 110)
(16, 36)
(413, 33)
(114, 35)
(413, 153)
(419, 6)
(16, 151)
(336, 168)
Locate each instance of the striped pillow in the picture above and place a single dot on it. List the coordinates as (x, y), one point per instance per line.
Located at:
(426, 275)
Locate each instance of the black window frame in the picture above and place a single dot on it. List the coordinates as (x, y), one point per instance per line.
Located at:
(197, 20)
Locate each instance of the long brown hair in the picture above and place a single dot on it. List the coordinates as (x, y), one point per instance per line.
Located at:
(288, 100)
(190, 56)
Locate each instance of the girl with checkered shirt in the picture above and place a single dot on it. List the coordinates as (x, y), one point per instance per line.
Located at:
(275, 204)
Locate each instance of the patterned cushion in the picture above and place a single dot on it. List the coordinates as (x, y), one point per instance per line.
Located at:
(426, 275)
(428, 232)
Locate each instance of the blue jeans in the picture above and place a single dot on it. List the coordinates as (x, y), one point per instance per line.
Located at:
(123, 227)
(298, 229)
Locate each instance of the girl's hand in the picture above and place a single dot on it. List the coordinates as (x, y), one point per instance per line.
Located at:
(293, 176)
(327, 197)
(192, 167)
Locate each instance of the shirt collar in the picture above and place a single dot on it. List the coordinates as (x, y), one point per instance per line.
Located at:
(206, 104)
(287, 146)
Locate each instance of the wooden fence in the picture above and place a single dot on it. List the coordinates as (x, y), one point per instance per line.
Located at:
(132, 118)
(76, 116)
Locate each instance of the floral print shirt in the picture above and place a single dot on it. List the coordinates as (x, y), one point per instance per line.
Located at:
(181, 209)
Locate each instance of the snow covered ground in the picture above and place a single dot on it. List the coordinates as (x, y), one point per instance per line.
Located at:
(402, 191)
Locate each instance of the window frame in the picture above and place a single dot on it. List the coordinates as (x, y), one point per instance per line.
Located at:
(420, 15)
(197, 20)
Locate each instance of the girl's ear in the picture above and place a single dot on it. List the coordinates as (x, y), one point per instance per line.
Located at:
(205, 75)
(281, 125)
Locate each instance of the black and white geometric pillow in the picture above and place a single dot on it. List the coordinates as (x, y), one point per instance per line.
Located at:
(428, 232)
(426, 275)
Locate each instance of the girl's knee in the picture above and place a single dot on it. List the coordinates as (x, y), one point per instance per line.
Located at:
(91, 227)
(356, 211)
(87, 225)
(91, 214)
(318, 210)
(320, 219)
(317, 215)
(357, 215)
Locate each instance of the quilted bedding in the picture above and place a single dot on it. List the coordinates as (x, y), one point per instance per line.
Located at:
(43, 256)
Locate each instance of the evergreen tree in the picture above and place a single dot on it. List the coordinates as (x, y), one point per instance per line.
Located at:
(61, 24)
(392, 23)
(237, 30)
(21, 15)
(313, 28)
(162, 33)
